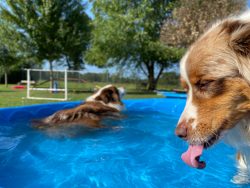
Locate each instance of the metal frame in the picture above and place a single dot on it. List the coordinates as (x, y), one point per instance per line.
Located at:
(48, 89)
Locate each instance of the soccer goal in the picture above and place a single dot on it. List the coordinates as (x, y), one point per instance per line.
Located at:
(40, 77)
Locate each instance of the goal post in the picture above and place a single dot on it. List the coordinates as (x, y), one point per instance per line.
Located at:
(53, 89)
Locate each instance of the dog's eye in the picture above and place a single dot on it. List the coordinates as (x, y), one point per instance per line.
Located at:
(203, 84)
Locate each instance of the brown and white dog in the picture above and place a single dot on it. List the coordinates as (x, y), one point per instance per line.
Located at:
(216, 73)
(106, 102)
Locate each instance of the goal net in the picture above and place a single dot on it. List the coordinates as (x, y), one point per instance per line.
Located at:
(44, 85)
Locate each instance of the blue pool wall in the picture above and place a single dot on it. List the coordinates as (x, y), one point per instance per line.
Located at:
(173, 105)
(170, 94)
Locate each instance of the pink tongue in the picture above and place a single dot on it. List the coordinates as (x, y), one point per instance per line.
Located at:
(192, 156)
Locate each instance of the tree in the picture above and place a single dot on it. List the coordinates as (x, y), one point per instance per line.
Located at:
(75, 36)
(51, 28)
(191, 18)
(127, 32)
(7, 60)
(10, 58)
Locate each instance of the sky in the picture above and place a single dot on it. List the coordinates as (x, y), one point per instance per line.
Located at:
(89, 12)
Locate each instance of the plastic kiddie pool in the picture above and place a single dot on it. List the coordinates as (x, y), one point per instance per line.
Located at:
(140, 150)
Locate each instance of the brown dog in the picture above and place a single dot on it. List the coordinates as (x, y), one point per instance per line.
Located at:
(216, 73)
(104, 103)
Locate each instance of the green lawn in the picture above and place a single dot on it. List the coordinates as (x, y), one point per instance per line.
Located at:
(17, 97)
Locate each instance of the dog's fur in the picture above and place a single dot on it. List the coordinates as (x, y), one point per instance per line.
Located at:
(104, 103)
(216, 73)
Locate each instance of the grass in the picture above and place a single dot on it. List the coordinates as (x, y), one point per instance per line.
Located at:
(17, 97)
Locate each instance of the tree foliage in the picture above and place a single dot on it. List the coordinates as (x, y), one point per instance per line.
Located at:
(191, 18)
(48, 29)
(52, 27)
(10, 58)
(128, 32)
(7, 61)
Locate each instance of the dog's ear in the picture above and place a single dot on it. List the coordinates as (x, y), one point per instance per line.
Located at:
(239, 36)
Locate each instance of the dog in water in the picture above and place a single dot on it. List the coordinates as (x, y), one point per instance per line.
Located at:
(104, 103)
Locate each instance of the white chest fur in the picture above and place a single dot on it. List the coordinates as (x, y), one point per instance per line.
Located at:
(239, 137)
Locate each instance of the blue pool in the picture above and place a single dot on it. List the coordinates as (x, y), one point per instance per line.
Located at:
(140, 150)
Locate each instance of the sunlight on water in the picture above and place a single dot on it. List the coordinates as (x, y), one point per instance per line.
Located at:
(140, 150)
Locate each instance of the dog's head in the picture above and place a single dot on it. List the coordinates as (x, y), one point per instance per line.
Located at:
(109, 95)
(216, 74)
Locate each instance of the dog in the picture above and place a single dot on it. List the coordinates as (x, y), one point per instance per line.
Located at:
(104, 103)
(215, 71)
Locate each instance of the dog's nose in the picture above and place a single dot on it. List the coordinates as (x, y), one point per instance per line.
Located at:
(181, 131)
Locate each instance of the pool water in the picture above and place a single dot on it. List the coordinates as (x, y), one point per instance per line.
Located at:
(140, 150)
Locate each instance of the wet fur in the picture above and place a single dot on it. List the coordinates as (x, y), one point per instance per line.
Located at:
(105, 104)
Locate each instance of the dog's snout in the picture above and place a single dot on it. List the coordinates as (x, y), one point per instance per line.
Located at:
(181, 130)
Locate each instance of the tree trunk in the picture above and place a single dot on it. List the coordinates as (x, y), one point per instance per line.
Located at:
(68, 63)
(6, 79)
(151, 84)
(51, 76)
(151, 77)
